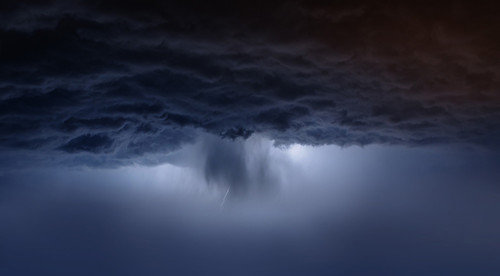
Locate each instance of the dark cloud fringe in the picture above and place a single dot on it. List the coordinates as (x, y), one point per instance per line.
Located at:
(132, 78)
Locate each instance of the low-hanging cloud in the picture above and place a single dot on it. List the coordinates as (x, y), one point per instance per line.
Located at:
(243, 167)
(119, 83)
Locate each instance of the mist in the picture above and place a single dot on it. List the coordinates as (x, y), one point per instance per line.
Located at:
(292, 209)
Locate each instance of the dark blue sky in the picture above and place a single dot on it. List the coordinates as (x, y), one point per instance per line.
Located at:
(249, 138)
(355, 211)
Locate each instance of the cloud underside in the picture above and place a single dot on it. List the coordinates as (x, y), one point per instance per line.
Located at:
(126, 80)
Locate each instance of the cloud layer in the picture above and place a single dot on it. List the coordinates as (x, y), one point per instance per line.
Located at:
(118, 82)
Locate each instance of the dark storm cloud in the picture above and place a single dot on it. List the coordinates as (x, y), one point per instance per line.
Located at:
(87, 142)
(96, 123)
(145, 74)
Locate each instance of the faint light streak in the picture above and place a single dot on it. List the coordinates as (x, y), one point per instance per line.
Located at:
(225, 196)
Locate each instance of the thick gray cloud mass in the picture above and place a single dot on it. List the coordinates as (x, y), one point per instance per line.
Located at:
(115, 82)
